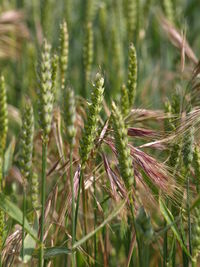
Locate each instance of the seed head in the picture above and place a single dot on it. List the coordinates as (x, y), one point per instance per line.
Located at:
(26, 141)
(124, 101)
(45, 95)
(54, 74)
(64, 47)
(121, 144)
(88, 51)
(187, 149)
(196, 233)
(196, 165)
(132, 75)
(35, 190)
(91, 124)
(70, 115)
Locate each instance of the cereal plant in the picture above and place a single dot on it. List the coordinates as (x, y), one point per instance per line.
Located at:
(99, 133)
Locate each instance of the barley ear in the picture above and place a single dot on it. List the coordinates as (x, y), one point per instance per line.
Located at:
(121, 144)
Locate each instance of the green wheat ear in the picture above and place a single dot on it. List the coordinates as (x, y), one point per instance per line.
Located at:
(169, 10)
(132, 75)
(124, 101)
(26, 142)
(70, 115)
(3, 116)
(131, 15)
(55, 60)
(121, 144)
(188, 148)
(35, 190)
(91, 124)
(88, 53)
(64, 50)
(196, 165)
(196, 233)
(45, 94)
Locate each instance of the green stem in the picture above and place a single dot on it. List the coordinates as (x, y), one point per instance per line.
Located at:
(188, 213)
(23, 220)
(77, 202)
(165, 248)
(44, 163)
(134, 225)
(1, 212)
(95, 220)
(73, 206)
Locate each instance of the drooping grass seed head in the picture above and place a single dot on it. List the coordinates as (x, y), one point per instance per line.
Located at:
(70, 115)
(3, 116)
(121, 144)
(64, 50)
(132, 75)
(91, 124)
(26, 141)
(45, 95)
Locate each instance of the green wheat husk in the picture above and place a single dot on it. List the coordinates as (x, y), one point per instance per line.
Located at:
(124, 101)
(45, 94)
(131, 15)
(169, 10)
(196, 234)
(35, 190)
(26, 142)
(91, 124)
(54, 73)
(70, 115)
(121, 144)
(132, 75)
(87, 55)
(64, 50)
